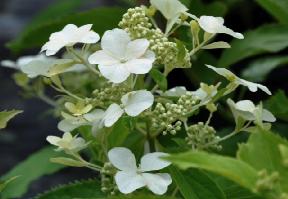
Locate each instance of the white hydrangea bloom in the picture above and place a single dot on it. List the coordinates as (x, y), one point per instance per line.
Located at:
(215, 25)
(22, 61)
(174, 92)
(205, 93)
(67, 142)
(121, 57)
(169, 8)
(133, 104)
(69, 123)
(253, 87)
(248, 111)
(130, 178)
(69, 36)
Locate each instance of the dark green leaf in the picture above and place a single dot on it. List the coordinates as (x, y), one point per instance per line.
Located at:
(262, 152)
(195, 184)
(233, 169)
(5, 116)
(278, 105)
(259, 69)
(277, 8)
(266, 39)
(215, 8)
(28, 171)
(159, 78)
(86, 189)
(37, 36)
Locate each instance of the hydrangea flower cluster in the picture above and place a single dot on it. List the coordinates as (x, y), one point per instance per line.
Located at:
(117, 91)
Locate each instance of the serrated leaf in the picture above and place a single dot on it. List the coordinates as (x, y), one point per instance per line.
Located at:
(85, 189)
(36, 37)
(277, 8)
(195, 184)
(277, 104)
(259, 69)
(266, 39)
(217, 45)
(28, 171)
(231, 168)
(159, 78)
(5, 116)
(262, 152)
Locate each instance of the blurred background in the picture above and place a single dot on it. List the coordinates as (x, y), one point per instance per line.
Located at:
(261, 57)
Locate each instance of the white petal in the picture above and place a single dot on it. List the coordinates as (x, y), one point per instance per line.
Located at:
(136, 48)
(94, 115)
(253, 87)
(139, 66)
(268, 116)
(245, 105)
(169, 8)
(36, 68)
(176, 91)
(69, 125)
(127, 182)
(157, 183)
(223, 72)
(136, 102)
(9, 64)
(115, 42)
(102, 58)
(112, 115)
(123, 159)
(90, 37)
(53, 140)
(115, 73)
(152, 162)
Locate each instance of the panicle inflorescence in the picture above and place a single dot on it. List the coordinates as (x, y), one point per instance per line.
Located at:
(137, 24)
(200, 136)
(267, 182)
(168, 116)
(107, 182)
(109, 94)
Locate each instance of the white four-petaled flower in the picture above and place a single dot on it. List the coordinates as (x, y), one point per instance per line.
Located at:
(22, 61)
(133, 104)
(253, 87)
(121, 57)
(129, 177)
(215, 25)
(248, 111)
(67, 142)
(69, 36)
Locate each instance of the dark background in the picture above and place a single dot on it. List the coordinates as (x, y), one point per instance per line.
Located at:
(27, 132)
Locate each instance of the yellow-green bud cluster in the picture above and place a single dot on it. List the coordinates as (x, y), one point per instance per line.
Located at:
(267, 182)
(284, 196)
(109, 94)
(168, 116)
(107, 181)
(137, 24)
(200, 135)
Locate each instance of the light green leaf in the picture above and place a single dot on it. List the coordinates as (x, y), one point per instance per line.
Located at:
(28, 171)
(259, 69)
(277, 8)
(5, 116)
(217, 45)
(195, 184)
(278, 105)
(37, 36)
(85, 189)
(159, 78)
(266, 39)
(262, 152)
(233, 169)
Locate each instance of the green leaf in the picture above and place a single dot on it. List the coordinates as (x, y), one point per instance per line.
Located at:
(4, 184)
(67, 162)
(195, 184)
(259, 69)
(262, 152)
(233, 169)
(284, 154)
(266, 39)
(215, 8)
(30, 170)
(119, 133)
(37, 36)
(277, 8)
(159, 78)
(85, 189)
(137, 196)
(277, 104)
(5, 116)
